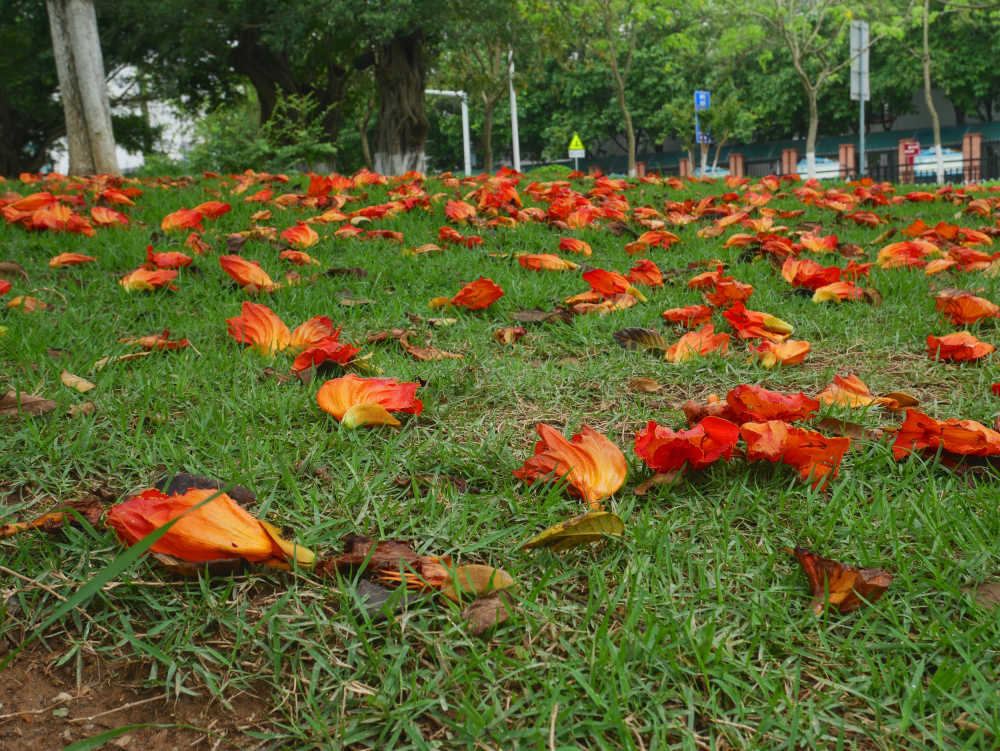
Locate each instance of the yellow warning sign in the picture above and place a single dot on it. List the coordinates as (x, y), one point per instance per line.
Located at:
(576, 144)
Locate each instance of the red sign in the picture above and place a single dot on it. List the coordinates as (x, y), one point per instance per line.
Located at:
(911, 148)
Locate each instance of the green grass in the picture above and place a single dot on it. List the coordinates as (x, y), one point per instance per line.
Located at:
(693, 632)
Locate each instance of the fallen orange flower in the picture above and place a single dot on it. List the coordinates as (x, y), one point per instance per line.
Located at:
(219, 529)
(4, 286)
(837, 584)
(801, 272)
(753, 324)
(478, 294)
(818, 243)
(964, 307)
(298, 257)
(328, 349)
(544, 262)
(959, 347)
(572, 245)
(158, 341)
(729, 291)
(27, 304)
(689, 316)
(172, 260)
(106, 217)
(358, 401)
(658, 238)
(145, 280)
(608, 283)
(69, 259)
(593, 466)
(696, 343)
(814, 455)
(182, 219)
(749, 403)
(247, 273)
(906, 254)
(851, 391)
(459, 211)
(665, 450)
(838, 292)
(212, 209)
(646, 272)
(921, 432)
(301, 236)
(312, 332)
(788, 352)
(258, 326)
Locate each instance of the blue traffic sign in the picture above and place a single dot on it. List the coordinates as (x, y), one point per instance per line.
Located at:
(702, 100)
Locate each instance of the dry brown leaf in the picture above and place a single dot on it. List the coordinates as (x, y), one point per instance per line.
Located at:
(645, 385)
(426, 353)
(660, 478)
(9, 267)
(351, 301)
(87, 408)
(15, 403)
(484, 613)
(119, 358)
(840, 427)
(986, 594)
(476, 579)
(61, 516)
(76, 382)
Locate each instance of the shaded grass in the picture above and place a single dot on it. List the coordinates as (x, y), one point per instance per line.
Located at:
(693, 632)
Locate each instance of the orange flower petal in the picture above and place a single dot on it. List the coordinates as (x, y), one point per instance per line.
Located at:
(258, 326)
(593, 466)
(337, 396)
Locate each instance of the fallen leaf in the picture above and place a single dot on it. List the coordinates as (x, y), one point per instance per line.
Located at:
(634, 338)
(355, 271)
(64, 514)
(9, 267)
(484, 613)
(476, 579)
(840, 427)
(86, 408)
(839, 584)
(119, 358)
(536, 315)
(190, 569)
(986, 595)
(75, 382)
(580, 530)
(183, 481)
(660, 478)
(19, 403)
(645, 385)
(426, 353)
(351, 301)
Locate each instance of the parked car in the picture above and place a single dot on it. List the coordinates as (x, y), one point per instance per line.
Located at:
(925, 164)
(826, 169)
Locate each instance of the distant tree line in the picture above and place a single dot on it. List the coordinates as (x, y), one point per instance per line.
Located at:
(340, 83)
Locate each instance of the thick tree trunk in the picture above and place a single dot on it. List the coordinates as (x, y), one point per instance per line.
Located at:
(402, 128)
(489, 104)
(84, 94)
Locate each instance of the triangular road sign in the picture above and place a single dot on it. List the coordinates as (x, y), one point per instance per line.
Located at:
(576, 144)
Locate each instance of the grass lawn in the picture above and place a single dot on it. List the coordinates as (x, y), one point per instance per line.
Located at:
(693, 631)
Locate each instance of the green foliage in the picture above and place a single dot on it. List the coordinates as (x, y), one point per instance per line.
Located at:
(230, 138)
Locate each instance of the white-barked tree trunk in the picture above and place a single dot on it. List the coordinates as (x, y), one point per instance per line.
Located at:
(82, 88)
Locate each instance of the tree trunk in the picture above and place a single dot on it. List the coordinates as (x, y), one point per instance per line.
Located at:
(82, 88)
(401, 134)
(935, 120)
(813, 93)
(489, 103)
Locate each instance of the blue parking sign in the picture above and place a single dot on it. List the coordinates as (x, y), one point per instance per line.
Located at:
(702, 100)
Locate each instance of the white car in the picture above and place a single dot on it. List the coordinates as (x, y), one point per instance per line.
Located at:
(925, 163)
(826, 169)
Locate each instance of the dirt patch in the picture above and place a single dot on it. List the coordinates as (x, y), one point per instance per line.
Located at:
(44, 707)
